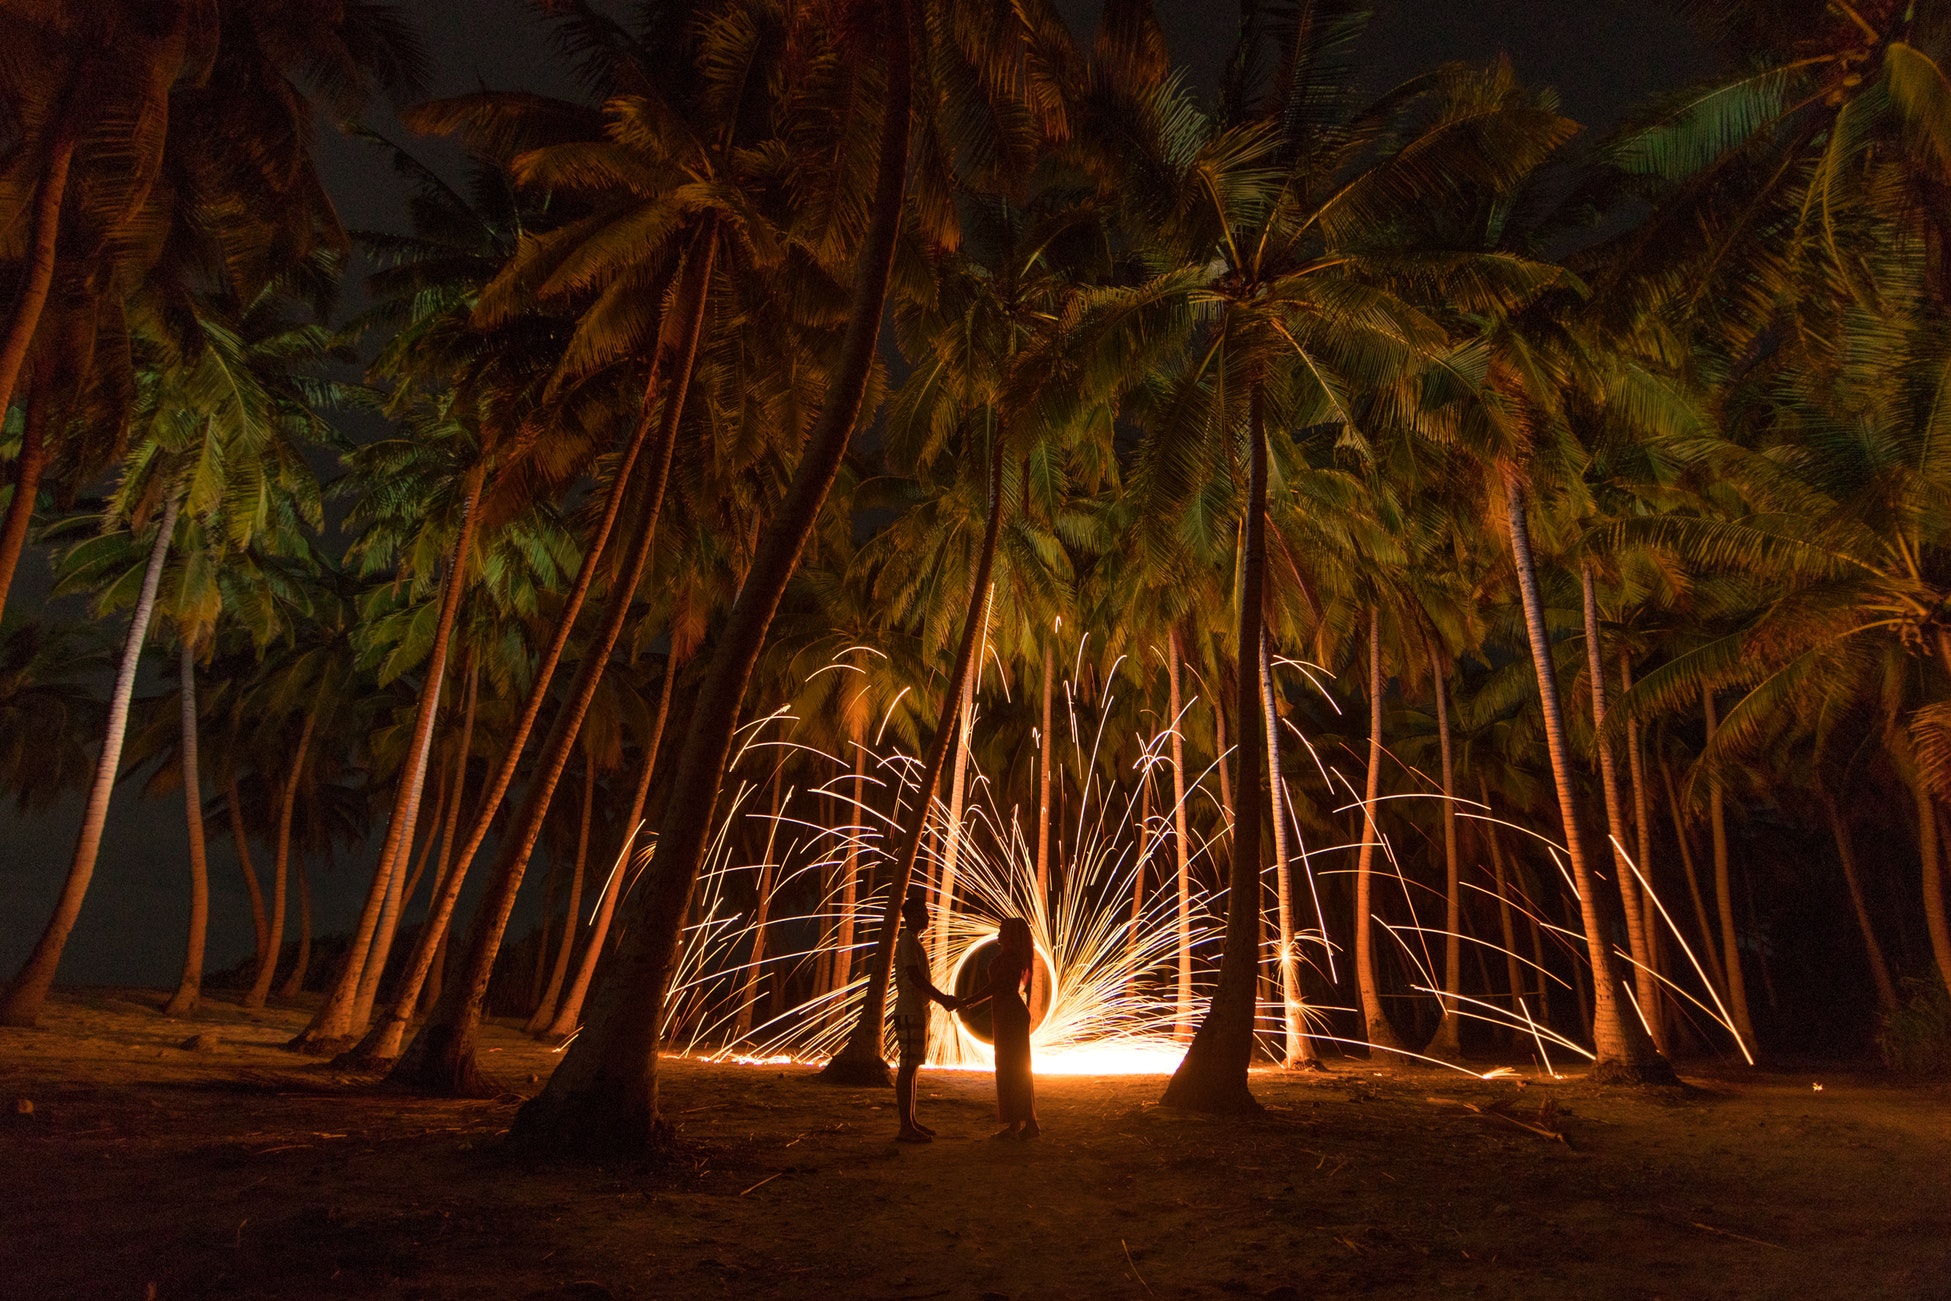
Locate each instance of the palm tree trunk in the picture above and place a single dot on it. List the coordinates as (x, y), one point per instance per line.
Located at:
(13, 353)
(603, 1096)
(1643, 847)
(1709, 951)
(430, 986)
(28, 470)
(571, 1007)
(295, 983)
(1512, 975)
(1213, 1074)
(1299, 1050)
(442, 1056)
(267, 966)
(1644, 981)
(1182, 1027)
(349, 1002)
(957, 794)
(550, 886)
(189, 988)
(1375, 1020)
(434, 825)
(1886, 989)
(260, 931)
(21, 1005)
(1048, 750)
(1737, 985)
(1623, 1050)
(1930, 845)
(1448, 1041)
(545, 1010)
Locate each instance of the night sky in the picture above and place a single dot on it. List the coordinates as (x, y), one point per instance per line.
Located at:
(1603, 56)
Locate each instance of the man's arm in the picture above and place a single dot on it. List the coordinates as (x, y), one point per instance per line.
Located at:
(918, 975)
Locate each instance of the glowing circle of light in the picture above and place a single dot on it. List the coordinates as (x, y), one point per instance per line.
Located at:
(1043, 981)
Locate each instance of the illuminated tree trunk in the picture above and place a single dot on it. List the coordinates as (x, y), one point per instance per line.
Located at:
(21, 1005)
(1886, 989)
(1622, 1048)
(1448, 1041)
(1644, 982)
(1375, 1021)
(339, 1016)
(1643, 848)
(241, 840)
(427, 846)
(1182, 1027)
(280, 864)
(603, 1096)
(545, 1009)
(1298, 1048)
(189, 988)
(1737, 985)
(571, 1008)
(1213, 1074)
(430, 987)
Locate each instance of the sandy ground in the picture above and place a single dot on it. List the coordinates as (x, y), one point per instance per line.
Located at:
(148, 1169)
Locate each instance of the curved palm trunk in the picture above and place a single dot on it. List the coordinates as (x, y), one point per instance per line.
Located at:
(1930, 844)
(295, 983)
(1886, 989)
(545, 1009)
(1049, 751)
(1737, 983)
(405, 878)
(1645, 983)
(29, 468)
(241, 840)
(1622, 1048)
(1375, 1021)
(1213, 1074)
(1299, 1049)
(340, 1016)
(603, 1097)
(13, 354)
(287, 800)
(21, 1005)
(1182, 1027)
(1448, 1041)
(441, 1058)
(189, 987)
(571, 1007)
(430, 988)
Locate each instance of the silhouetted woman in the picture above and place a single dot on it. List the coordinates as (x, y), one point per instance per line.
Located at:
(1009, 979)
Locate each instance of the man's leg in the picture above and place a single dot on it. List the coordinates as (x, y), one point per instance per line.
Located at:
(904, 1100)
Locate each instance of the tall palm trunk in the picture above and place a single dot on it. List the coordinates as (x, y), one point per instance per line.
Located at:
(13, 354)
(1512, 976)
(241, 841)
(267, 965)
(441, 1058)
(1622, 1048)
(1709, 952)
(1448, 1041)
(1182, 1027)
(295, 982)
(1375, 1020)
(545, 1008)
(1298, 1049)
(1213, 1074)
(402, 880)
(21, 1005)
(189, 987)
(1643, 848)
(340, 1015)
(1638, 941)
(1737, 984)
(430, 987)
(1930, 846)
(571, 1008)
(603, 1096)
(1047, 746)
(1886, 989)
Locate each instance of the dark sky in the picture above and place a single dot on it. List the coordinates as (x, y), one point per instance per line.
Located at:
(1603, 56)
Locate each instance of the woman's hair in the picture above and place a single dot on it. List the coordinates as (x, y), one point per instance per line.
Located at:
(1014, 949)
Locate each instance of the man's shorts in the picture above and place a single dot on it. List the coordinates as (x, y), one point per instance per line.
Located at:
(911, 1034)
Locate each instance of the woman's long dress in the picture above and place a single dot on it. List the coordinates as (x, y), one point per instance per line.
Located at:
(1010, 1017)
